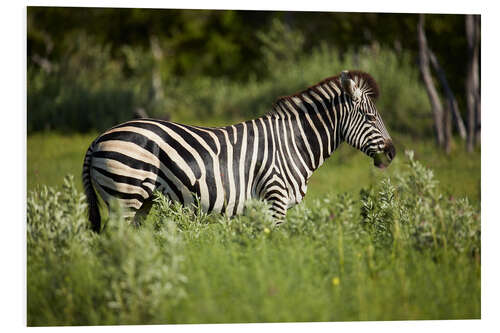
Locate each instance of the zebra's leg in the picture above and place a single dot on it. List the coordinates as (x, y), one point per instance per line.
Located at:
(134, 203)
(279, 204)
(133, 211)
(275, 193)
(277, 212)
(143, 212)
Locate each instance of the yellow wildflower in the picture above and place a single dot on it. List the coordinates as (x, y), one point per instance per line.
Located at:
(266, 230)
(335, 281)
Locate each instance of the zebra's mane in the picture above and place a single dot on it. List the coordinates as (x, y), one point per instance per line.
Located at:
(363, 80)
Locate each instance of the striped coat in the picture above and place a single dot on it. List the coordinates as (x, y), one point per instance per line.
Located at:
(270, 158)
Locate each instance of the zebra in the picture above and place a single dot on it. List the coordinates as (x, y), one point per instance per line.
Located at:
(269, 158)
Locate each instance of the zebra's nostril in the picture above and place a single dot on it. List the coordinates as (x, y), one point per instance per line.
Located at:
(390, 150)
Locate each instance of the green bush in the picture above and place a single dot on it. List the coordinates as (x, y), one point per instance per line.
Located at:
(400, 251)
(124, 275)
(419, 214)
(86, 91)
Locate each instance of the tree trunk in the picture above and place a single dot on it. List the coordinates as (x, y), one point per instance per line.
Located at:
(156, 75)
(452, 102)
(478, 80)
(447, 129)
(437, 108)
(472, 80)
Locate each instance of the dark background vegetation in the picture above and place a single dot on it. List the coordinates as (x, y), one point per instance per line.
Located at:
(89, 68)
(226, 43)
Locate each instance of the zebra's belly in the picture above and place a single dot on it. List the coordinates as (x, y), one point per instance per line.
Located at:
(132, 185)
(232, 205)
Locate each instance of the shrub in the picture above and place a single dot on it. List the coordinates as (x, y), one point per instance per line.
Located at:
(86, 91)
(420, 214)
(401, 250)
(125, 275)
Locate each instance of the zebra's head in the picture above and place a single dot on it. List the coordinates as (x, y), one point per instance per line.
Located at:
(364, 128)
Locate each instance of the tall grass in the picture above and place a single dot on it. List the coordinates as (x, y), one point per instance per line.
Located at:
(400, 250)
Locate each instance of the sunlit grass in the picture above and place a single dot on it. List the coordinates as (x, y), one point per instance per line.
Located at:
(51, 156)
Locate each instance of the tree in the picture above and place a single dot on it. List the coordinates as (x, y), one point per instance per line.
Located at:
(452, 101)
(443, 116)
(437, 107)
(472, 88)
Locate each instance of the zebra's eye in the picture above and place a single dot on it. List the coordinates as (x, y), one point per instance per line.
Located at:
(370, 117)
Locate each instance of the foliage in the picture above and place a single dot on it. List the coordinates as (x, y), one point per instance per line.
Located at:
(93, 84)
(75, 278)
(401, 250)
(403, 103)
(420, 213)
(280, 45)
(87, 90)
(225, 43)
(66, 212)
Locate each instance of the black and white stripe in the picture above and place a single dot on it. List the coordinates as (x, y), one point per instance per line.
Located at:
(271, 157)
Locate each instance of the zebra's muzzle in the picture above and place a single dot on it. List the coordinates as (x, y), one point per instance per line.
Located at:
(383, 159)
(389, 150)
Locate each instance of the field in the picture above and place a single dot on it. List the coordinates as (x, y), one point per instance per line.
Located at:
(398, 244)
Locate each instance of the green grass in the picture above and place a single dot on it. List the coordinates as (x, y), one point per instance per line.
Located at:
(399, 250)
(51, 156)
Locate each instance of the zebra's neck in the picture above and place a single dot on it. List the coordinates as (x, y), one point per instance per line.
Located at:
(308, 129)
(313, 123)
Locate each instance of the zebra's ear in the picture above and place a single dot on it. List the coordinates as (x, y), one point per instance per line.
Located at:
(349, 86)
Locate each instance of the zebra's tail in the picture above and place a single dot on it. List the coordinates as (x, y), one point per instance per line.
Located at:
(92, 201)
